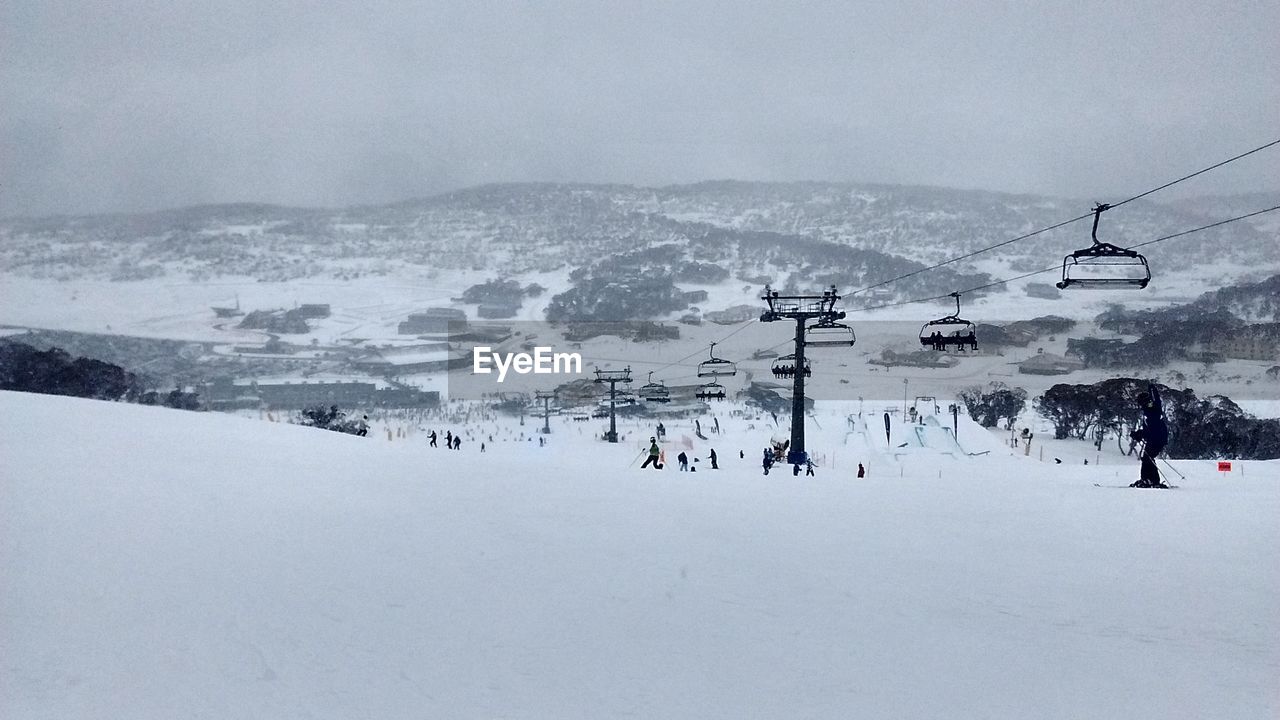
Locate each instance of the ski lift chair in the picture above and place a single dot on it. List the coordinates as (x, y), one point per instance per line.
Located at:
(951, 331)
(785, 367)
(716, 367)
(829, 334)
(710, 391)
(1104, 266)
(654, 391)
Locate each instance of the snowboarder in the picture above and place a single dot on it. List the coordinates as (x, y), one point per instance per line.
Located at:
(684, 461)
(862, 472)
(653, 455)
(1154, 434)
(714, 464)
(433, 438)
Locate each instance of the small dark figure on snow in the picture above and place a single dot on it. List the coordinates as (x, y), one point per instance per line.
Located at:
(808, 468)
(1154, 434)
(768, 460)
(362, 428)
(714, 464)
(653, 455)
(862, 472)
(742, 454)
(448, 440)
(433, 438)
(457, 442)
(684, 460)
(481, 447)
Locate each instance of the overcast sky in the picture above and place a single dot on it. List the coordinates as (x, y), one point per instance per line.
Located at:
(132, 105)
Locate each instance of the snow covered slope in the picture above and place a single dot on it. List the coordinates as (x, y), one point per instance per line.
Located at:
(160, 564)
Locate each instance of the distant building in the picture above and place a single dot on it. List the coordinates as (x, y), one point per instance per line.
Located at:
(1049, 364)
(409, 359)
(312, 311)
(497, 311)
(1255, 342)
(1043, 291)
(289, 394)
(434, 321)
(1096, 351)
(733, 315)
(284, 322)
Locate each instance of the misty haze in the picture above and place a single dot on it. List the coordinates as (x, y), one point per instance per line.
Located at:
(903, 360)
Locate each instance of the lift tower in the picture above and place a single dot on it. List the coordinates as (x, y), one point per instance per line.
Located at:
(802, 309)
(546, 398)
(613, 377)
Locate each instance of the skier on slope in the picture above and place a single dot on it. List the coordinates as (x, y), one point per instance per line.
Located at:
(684, 460)
(714, 464)
(653, 455)
(433, 438)
(1154, 434)
(768, 460)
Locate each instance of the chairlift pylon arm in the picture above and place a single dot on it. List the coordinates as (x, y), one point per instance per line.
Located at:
(1098, 209)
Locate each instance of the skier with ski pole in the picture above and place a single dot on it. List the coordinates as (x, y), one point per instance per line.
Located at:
(1154, 435)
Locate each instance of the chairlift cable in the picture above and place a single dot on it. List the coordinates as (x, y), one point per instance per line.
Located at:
(1055, 226)
(1058, 267)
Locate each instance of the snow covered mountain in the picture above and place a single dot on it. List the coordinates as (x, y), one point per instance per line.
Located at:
(270, 570)
(806, 233)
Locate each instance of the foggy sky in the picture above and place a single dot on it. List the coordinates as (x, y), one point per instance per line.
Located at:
(133, 105)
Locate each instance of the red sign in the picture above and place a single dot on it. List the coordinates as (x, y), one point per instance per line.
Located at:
(1224, 466)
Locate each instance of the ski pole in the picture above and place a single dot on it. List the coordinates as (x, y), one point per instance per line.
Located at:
(1171, 467)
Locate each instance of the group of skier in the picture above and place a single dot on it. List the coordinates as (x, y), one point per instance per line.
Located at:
(655, 459)
(451, 441)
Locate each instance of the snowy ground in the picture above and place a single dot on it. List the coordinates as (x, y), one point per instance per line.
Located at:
(275, 571)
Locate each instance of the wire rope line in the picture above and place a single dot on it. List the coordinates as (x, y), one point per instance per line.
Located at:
(1059, 267)
(1055, 226)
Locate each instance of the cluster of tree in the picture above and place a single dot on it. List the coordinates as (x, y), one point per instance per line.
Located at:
(56, 372)
(635, 330)
(330, 418)
(500, 292)
(1200, 428)
(602, 299)
(997, 401)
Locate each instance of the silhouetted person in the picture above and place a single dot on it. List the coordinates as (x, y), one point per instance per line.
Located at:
(1154, 434)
